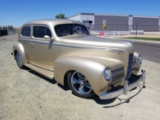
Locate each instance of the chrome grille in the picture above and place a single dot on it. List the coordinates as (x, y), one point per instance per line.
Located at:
(130, 63)
(117, 75)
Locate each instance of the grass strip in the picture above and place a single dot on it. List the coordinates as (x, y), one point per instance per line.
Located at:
(143, 38)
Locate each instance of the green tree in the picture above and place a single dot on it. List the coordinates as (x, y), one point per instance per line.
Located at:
(60, 16)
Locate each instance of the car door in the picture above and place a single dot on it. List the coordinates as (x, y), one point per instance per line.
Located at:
(42, 55)
(25, 38)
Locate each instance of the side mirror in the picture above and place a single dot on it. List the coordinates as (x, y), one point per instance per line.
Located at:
(47, 37)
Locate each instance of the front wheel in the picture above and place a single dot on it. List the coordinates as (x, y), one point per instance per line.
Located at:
(79, 85)
(19, 61)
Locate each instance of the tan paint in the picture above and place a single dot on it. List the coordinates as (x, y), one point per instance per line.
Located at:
(87, 54)
(18, 47)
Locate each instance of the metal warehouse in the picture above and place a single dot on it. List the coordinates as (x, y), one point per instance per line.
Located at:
(118, 22)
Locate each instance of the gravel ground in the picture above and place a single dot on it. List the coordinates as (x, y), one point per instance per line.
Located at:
(25, 95)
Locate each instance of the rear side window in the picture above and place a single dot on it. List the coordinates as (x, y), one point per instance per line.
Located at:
(26, 31)
(41, 31)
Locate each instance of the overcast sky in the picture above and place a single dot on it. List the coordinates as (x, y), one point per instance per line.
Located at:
(17, 12)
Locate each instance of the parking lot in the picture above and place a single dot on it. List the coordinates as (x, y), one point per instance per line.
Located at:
(26, 95)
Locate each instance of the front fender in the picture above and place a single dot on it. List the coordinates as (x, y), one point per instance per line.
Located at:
(18, 47)
(93, 70)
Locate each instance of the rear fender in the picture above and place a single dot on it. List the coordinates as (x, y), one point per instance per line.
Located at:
(18, 47)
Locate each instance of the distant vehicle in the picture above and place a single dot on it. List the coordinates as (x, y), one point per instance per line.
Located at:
(65, 51)
(5, 30)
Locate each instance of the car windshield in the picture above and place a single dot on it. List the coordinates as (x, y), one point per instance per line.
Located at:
(70, 29)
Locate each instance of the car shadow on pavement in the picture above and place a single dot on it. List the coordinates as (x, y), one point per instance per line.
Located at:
(64, 87)
(103, 102)
(52, 81)
(43, 77)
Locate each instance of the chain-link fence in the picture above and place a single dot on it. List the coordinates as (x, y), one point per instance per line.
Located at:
(146, 28)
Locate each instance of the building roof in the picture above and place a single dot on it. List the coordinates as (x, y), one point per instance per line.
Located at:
(141, 16)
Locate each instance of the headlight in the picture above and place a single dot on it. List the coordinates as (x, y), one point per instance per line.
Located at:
(107, 74)
(139, 59)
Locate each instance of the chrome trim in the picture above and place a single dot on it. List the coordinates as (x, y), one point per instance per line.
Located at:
(115, 50)
(36, 41)
(80, 84)
(139, 59)
(125, 90)
(117, 75)
(19, 60)
(130, 65)
(75, 46)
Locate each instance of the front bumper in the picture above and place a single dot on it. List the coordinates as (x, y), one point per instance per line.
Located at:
(129, 85)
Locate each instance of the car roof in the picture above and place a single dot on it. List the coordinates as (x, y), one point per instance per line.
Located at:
(53, 21)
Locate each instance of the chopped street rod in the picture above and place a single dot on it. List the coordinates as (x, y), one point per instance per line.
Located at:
(65, 51)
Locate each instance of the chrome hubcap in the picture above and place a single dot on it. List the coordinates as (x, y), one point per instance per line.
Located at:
(19, 60)
(80, 83)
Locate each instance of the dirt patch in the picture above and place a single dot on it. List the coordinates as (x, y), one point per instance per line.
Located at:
(9, 38)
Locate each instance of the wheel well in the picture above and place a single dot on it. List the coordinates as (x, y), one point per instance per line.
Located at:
(65, 78)
(15, 53)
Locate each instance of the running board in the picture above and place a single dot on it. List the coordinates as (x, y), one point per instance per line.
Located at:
(47, 73)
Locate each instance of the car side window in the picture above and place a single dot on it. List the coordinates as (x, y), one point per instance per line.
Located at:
(41, 31)
(26, 31)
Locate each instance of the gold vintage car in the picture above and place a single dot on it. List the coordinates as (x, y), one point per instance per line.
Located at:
(65, 51)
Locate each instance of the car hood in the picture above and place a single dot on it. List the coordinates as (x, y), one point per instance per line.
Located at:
(93, 41)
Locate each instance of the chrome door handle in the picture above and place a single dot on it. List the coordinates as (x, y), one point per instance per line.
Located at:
(50, 44)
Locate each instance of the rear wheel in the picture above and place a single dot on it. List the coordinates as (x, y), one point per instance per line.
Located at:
(19, 61)
(79, 85)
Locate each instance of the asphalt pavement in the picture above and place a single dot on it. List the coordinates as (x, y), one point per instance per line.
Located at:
(149, 51)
